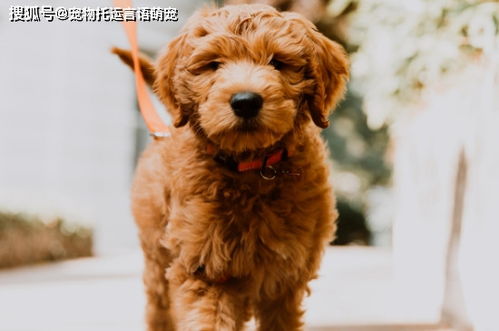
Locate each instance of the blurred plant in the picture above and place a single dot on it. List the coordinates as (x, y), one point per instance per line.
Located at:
(26, 240)
(408, 46)
(399, 49)
(358, 151)
(359, 163)
(352, 226)
(356, 148)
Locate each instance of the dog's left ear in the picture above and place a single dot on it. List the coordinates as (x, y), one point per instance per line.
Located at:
(328, 68)
(145, 64)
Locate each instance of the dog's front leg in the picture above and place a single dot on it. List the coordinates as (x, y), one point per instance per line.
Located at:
(156, 260)
(280, 314)
(200, 305)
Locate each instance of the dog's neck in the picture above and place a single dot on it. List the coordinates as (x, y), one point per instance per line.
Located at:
(278, 155)
(248, 161)
(263, 159)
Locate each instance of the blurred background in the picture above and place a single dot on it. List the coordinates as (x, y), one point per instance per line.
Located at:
(414, 145)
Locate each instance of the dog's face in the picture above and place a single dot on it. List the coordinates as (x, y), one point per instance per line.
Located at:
(246, 75)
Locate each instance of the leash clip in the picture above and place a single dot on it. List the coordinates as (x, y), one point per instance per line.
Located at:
(160, 134)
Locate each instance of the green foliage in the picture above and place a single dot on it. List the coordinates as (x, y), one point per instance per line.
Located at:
(358, 152)
(406, 47)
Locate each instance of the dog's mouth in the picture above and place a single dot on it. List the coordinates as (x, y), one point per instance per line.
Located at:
(250, 125)
(248, 135)
(238, 133)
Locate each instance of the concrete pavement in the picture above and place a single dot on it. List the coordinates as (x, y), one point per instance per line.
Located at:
(355, 292)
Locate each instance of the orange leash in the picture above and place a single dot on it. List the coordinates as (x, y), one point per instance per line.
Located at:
(156, 126)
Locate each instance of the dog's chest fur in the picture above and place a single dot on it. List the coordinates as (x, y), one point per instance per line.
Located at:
(244, 226)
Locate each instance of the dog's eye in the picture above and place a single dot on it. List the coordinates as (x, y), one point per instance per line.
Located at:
(213, 65)
(201, 68)
(276, 64)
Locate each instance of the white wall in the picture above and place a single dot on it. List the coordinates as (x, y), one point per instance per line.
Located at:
(68, 118)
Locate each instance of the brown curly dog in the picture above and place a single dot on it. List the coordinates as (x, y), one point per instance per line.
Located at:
(236, 207)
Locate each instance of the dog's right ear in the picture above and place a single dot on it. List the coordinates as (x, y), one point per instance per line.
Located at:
(146, 65)
(165, 87)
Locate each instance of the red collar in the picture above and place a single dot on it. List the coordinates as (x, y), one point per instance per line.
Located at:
(242, 166)
(266, 161)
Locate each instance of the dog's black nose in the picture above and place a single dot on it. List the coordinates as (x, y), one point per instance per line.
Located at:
(246, 104)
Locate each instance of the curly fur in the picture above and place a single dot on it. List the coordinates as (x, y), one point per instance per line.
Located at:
(221, 246)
